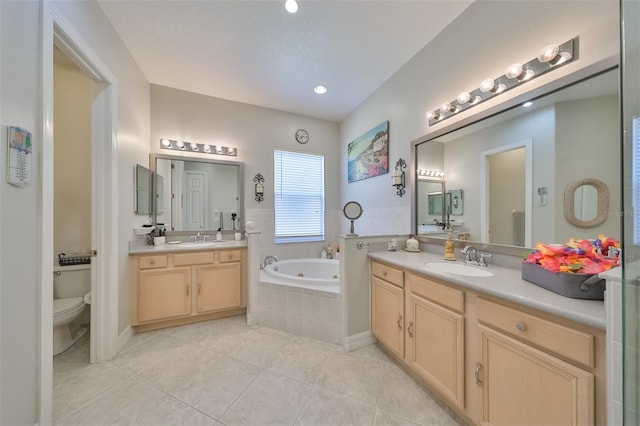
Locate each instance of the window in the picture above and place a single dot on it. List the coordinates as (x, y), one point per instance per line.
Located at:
(298, 196)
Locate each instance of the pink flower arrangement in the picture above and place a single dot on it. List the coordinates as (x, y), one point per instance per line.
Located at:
(576, 256)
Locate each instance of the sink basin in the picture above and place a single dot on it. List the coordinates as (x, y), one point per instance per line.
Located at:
(191, 244)
(458, 269)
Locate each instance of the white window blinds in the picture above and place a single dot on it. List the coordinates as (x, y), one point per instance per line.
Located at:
(298, 196)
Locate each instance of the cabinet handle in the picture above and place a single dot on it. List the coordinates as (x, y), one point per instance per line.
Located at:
(477, 373)
(188, 289)
(384, 273)
(400, 322)
(152, 262)
(521, 326)
(409, 329)
(199, 288)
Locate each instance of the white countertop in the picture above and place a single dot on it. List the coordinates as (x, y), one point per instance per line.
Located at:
(140, 248)
(506, 284)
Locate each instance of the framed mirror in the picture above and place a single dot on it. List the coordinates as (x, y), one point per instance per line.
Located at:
(586, 203)
(197, 194)
(514, 167)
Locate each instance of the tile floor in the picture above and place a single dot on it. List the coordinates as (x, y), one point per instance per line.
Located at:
(224, 373)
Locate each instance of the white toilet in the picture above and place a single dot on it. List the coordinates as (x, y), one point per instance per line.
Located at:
(71, 295)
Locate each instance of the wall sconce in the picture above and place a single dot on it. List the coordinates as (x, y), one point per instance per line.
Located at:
(259, 180)
(398, 177)
(549, 58)
(198, 147)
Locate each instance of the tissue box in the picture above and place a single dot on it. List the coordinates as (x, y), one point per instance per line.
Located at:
(575, 286)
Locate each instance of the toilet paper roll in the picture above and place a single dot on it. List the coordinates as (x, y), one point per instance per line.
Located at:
(87, 298)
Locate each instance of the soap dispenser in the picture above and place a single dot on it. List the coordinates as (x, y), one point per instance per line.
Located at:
(219, 235)
(449, 248)
(323, 253)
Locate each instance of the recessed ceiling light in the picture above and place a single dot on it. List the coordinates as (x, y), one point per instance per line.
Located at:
(527, 104)
(291, 6)
(320, 89)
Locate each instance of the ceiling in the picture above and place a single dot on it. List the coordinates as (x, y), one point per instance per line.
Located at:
(255, 52)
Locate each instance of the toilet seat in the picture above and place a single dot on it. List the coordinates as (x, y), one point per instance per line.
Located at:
(62, 306)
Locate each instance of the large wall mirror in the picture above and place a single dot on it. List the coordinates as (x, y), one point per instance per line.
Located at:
(514, 168)
(197, 194)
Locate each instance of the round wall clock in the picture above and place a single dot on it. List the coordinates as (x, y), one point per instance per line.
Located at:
(302, 136)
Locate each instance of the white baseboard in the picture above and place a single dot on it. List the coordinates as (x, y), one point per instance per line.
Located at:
(358, 341)
(125, 336)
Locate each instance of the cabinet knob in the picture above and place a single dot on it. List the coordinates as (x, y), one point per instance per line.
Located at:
(521, 326)
(477, 373)
(400, 322)
(409, 329)
(153, 261)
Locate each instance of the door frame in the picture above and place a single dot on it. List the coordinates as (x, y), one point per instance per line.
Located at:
(527, 144)
(55, 29)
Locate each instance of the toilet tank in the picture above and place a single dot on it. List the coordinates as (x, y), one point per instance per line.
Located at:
(71, 281)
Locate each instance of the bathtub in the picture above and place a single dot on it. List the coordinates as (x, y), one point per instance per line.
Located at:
(311, 274)
(301, 296)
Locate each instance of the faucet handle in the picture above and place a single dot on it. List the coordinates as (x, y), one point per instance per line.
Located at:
(482, 257)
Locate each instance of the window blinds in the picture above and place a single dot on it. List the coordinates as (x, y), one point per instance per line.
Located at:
(298, 196)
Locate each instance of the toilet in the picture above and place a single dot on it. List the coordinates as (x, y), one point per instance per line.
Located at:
(71, 295)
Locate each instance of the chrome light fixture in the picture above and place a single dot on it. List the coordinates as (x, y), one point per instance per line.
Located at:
(197, 147)
(422, 173)
(549, 58)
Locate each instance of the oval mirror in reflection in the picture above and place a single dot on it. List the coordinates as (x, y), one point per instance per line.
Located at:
(352, 211)
(585, 202)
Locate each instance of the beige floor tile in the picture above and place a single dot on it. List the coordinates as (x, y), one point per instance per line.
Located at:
(384, 418)
(259, 348)
(400, 395)
(120, 405)
(326, 408)
(197, 331)
(301, 361)
(372, 352)
(170, 411)
(272, 399)
(351, 376)
(149, 351)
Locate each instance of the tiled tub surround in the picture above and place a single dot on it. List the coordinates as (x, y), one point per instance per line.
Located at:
(222, 372)
(310, 313)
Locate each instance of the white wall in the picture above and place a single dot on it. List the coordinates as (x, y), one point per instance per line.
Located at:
(72, 160)
(20, 103)
(482, 42)
(255, 132)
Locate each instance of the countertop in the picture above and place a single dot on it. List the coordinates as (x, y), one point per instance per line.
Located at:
(140, 248)
(506, 284)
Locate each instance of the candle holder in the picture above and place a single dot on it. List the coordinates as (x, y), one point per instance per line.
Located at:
(398, 177)
(259, 187)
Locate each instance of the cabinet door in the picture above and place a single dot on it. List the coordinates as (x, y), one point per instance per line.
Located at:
(164, 293)
(525, 386)
(219, 287)
(387, 316)
(435, 346)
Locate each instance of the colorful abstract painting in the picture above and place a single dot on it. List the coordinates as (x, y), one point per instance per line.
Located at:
(368, 155)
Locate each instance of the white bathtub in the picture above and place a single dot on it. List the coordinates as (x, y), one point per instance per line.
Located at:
(311, 274)
(309, 305)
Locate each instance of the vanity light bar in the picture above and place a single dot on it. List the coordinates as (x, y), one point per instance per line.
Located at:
(430, 173)
(198, 147)
(549, 58)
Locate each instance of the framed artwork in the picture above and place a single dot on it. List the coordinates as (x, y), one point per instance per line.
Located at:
(368, 155)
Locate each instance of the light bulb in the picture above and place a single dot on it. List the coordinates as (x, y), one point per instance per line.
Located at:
(291, 6)
(180, 144)
(446, 107)
(487, 85)
(166, 143)
(464, 97)
(549, 53)
(320, 89)
(230, 151)
(219, 149)
(207, 148)
(194, 146)
(433, 115)
(514, 71)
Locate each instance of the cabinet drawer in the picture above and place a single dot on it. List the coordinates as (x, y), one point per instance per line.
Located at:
(564, 341)
(193, 258)
(387, 273)
(229, 256)
(439, 293)
(147, 262)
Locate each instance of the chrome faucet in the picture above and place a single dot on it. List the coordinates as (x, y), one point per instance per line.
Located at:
(470, 254)
(199, 238)
(268, 261)
(482, 257)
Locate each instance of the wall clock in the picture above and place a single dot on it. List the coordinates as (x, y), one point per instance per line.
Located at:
(302, 136)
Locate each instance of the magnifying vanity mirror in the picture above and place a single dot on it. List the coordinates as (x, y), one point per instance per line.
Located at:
(197, 194)
(513, 168)
(352, 211)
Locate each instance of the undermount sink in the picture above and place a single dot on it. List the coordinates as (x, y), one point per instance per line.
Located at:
(458, 269)
(190, 244)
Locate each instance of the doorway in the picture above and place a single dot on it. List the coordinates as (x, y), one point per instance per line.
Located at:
(506, 195)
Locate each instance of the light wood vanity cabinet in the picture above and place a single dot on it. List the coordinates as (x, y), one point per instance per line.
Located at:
(494, 361)
(182, 287)
(387, 307)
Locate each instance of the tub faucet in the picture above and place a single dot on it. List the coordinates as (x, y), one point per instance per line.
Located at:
(268, 261)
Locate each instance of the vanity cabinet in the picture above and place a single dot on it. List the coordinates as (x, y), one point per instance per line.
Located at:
(525, 385)
(493, 361)
(435, 335)
(181, 287)
(387, 307)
